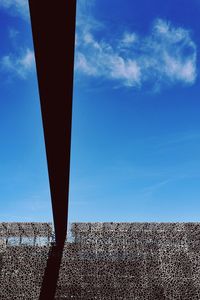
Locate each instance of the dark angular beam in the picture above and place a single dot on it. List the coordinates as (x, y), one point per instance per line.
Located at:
(53, 28)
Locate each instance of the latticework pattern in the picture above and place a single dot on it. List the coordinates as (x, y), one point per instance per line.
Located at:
(107, 261)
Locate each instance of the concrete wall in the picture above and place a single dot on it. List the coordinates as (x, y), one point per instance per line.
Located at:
(136, 261)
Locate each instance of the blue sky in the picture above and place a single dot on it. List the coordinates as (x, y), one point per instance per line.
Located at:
(136, 126)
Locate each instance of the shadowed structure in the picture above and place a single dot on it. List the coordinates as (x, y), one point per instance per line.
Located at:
(53, 28)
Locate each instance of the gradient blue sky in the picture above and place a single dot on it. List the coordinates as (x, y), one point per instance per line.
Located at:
(136, 123)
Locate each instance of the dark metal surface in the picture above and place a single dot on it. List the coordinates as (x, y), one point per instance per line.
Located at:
(53, 28)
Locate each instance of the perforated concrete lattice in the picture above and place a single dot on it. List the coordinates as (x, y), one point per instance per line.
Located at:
(104, 261)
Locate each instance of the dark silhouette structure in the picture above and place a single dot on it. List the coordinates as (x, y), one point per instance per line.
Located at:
(104, 261)
(53, 28)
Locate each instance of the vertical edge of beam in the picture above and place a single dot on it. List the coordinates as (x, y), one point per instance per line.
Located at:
(53, 30)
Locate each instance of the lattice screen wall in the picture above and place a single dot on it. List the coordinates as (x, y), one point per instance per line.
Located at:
(136, 261)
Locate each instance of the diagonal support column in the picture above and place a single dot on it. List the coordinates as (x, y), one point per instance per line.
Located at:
(53, 28)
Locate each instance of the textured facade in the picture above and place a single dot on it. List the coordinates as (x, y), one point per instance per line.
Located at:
(136, 261)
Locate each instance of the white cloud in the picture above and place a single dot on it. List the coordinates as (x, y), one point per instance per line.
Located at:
(20, 61)
(166, 56)
(19, 66)
(129, 38)
(126, 70)
(178, 70)
(100, 59)
(171, 53)
(16, 7)
(82, 64)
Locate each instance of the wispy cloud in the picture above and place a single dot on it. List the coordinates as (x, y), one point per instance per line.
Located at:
(98, 58)
(166, 56)
(155, 187)
(179, 139)
(16, 7)
(19, 61)
(128, 39)
(18, 65)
